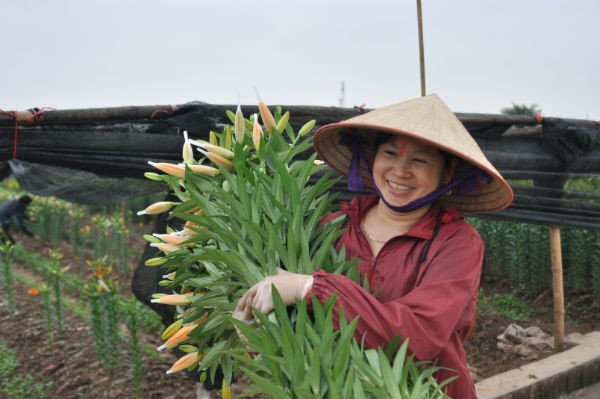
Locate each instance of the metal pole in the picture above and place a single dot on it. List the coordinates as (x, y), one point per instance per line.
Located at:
(421, 48)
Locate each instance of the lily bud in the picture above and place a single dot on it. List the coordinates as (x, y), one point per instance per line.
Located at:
(266, 116)
(155, 261)
(172, 329)
(283, 122)
(307, 127)
(188, 232)
(152, 176)
(170, 276)
(174, 239)
(228, 137)
(173, 299)
(187, 348)
(218, 160)
(212, 138)
(169, 168)
(166, 248)
(239, 127)
(187, 361)
(204, 170)
(187, 152)
(256, 132)
(157, 207)
(213, 148)
(177, 338)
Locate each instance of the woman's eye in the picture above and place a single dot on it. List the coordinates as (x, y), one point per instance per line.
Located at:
(420, 160)
(390, 153)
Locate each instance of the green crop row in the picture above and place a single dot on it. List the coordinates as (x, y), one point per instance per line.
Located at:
(521, 253)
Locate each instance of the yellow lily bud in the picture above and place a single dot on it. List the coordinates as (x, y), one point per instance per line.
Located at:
(307, 127)
(283, 122)
(177, 338)
(218, 160)
(239, 127)
(214, 148)
(189, 360)
(157, 207)
(228, 137)
(174, 239)
(152, 176)
(169, 168)
(166, 248)
(256, 132)
(187, 348)
(204, 170)
(172, 329)
(187, 152)
(150, 238)
(266, 116)
(170, 276)
(174, 299)
(155, 261)
(212, 138)
(188, 232)
(200, 319)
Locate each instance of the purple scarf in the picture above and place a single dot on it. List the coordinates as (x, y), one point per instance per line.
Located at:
(465, 183)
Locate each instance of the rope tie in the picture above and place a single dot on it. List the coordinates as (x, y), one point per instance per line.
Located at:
(37, 117)
(15, 116)
(38, 114)
(162, 111)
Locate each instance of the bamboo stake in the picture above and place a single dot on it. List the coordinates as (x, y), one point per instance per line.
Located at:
(421, 48)
(557, 288)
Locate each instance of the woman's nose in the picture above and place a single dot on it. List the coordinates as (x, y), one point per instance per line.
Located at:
(402, 167)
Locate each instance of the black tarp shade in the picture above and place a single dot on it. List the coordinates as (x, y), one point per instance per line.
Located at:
(96, 155)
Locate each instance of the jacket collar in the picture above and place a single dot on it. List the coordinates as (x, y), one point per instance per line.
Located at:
(357, 208)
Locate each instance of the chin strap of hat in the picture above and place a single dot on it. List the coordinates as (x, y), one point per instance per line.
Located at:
(463, 184)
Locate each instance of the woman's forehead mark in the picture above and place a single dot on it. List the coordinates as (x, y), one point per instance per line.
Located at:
(403, 145)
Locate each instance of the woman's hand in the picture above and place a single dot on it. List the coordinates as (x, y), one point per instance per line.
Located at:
(291, 287)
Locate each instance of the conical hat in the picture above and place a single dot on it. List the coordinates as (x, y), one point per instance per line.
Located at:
(428, 119)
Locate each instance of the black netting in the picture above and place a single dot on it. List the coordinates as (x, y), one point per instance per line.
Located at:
(79, 186)
(101, 154)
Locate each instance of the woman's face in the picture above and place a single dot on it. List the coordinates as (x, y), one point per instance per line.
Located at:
(406, 169)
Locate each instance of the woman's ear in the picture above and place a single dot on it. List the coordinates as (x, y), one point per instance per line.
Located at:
(448, 173)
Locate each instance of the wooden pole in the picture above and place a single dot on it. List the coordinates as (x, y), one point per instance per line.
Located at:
(421, 48)
(557, 289)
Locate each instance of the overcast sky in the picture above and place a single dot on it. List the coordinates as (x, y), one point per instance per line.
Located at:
(480, 55)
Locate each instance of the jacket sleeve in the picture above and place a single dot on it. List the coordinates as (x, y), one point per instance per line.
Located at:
(441, 302)
(21, 217)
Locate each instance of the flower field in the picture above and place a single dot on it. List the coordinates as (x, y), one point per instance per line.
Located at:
(65, 364)
(70, 327)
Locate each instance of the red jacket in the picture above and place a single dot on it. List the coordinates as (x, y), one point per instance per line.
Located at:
(432, 303)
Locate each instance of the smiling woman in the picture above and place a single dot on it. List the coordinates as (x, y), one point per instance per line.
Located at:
(420, 262)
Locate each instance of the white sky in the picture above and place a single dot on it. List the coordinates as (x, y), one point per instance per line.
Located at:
(480, 55)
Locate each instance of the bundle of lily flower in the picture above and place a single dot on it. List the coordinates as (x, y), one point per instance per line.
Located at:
(249, 209)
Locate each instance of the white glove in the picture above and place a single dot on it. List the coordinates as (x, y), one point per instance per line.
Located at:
(291, 287)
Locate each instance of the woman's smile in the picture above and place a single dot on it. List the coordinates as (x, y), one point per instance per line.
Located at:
(406, 169)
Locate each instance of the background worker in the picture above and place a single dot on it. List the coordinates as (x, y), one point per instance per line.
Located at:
(13, 212)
